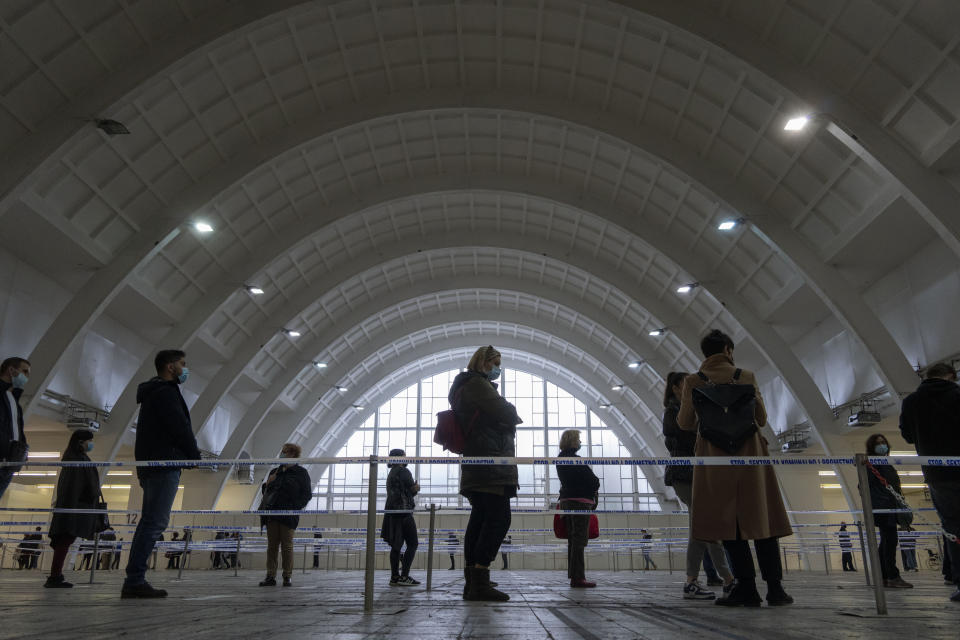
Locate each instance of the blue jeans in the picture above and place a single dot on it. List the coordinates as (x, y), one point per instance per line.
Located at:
(159, 490)
(6, 475)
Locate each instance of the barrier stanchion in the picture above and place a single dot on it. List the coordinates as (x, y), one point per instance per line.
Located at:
(433, 515)
(93, 561)
(879, 594)
(371, 536)
(236, 564)
(186, 546)
(826, 560)
(863, 553)
(304, 559)
(670, 559)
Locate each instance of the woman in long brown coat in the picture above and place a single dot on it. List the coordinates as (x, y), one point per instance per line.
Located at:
(736, 504)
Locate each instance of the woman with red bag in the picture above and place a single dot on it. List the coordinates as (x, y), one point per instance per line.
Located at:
(579, 488)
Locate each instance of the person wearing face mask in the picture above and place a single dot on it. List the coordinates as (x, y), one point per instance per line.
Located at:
(164, 432)
(287, 488)
(491, 427)
(930, 420)
(14, 373)
(77, 488)
(400, 528)
(881, 498)
(579, 487)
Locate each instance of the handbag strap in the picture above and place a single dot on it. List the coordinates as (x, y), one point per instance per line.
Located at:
(896, 494)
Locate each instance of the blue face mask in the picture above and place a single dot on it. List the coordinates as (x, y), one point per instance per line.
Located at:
(882, 449)
(89, 445)
(19, 381)
(494, 373)
(182, 378)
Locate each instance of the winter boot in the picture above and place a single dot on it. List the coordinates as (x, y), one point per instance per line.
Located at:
(480, 589)
(776, 596)
(744, 594)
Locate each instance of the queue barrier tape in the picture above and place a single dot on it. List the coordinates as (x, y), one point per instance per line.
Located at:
(933, 461)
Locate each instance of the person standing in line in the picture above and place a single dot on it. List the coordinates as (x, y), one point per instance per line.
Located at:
(86, 550)
(908, 548)
(881, 498)
(579, 491)
(164, 432)
(77, 488)
(216, 556)
(234, 555)
(930, 420)
(452, 542)
(503, 552)
(107, 544)
(400, 528)
(846, 555)
(736, 504)
(491, 428)
(647, 560)
(316, 549)
(14, 374)
(682, 444)
(117, 550)
(287, 488)
(173, 557)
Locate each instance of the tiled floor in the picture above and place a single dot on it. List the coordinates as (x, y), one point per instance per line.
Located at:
(206, 604)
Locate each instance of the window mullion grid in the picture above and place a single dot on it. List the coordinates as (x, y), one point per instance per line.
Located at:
(546, 445)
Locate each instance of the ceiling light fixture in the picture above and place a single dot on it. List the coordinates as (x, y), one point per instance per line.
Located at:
(797, 124)
(605, 405)
(320, 365)
(291, 333)
(617, 387)
(658, 332)
(341, 389)
(202, 227)
(112, 127)
(635, 364)
(254, 291)
(358, 407)
(43, 454)
(730, 225)
(687, 288)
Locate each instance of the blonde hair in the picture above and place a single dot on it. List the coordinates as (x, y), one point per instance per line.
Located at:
(568, 438)
(295, 448)
(482, 356)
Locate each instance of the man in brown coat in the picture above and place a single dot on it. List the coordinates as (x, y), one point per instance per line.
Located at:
(736, 504)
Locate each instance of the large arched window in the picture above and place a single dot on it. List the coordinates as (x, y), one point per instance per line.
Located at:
(407, 421)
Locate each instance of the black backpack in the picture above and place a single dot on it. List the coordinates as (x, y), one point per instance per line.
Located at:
(726, 412)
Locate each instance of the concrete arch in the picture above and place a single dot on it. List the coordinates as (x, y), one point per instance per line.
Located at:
(848, 304)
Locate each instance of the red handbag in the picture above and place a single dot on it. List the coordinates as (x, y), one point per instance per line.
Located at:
(560, 526)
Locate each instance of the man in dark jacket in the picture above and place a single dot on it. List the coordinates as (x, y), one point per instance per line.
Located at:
(164, 432)
(14, 373)
(287, 488)
(930, 420)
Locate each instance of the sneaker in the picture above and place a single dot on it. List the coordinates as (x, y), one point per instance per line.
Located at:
(407, 581)
(57, 582)
(582, 584)
(394, 580)
(143, 590)
(287, 582)
(897, 583)
(695, 591)
(715, 583)
(727, 588)
(269, 582)
(742, 595)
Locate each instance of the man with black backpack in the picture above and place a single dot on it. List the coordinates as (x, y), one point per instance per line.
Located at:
(734, 503)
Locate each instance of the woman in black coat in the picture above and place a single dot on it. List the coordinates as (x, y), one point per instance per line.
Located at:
(579, 487)
(881, 498)
(400, 528)
(77, 488)
(287, 489)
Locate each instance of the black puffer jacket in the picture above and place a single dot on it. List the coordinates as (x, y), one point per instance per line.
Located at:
(880, 496)
(6, 427)
(164, 429)
(77, 488)
(577, 481)
(289, 491)
(930, 420)
(492, 434)
(680, 443)
(400, 491)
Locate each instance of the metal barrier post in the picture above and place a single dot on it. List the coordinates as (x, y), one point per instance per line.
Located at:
(785, 570)
(670, 559)
(826, 560)
(93, 563)
(236, 563)
(304, 559)
(879, 594)
(433, 515)
(371, 536)
(187, 533)
(863, 553)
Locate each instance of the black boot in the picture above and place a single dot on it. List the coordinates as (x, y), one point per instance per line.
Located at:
(744, 594)
(467, 580)
(776, 596)
(57, 582)
(480, 588)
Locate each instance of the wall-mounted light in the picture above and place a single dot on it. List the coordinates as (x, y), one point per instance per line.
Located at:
(290, 333)
(253, 290)
(687, 288)
(658, 332)
(203, 227)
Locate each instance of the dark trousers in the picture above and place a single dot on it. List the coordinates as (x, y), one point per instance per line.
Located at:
(578, 529)
(488, 525)
(408, 527)
(60, 546)
(768, 557)
(887, 523)
(453, 564)
(946, 499)
(316, 560)
(846, 558)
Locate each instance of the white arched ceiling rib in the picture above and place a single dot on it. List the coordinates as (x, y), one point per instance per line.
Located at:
(323, 310)
(702, 220)
(348, 350)
(724, 65)
(422, 340)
